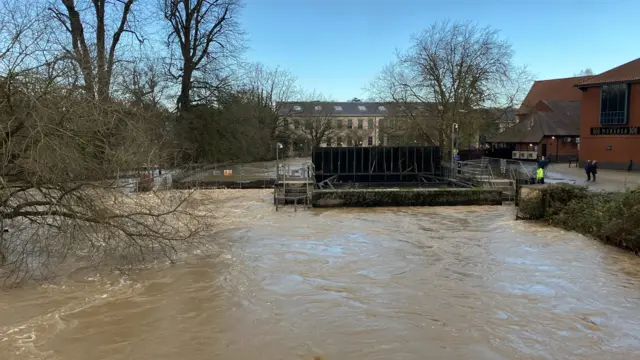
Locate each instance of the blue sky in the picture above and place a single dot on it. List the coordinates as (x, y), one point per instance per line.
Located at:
(337, 46)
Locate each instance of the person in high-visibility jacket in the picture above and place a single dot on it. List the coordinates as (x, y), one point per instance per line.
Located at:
(540, 175)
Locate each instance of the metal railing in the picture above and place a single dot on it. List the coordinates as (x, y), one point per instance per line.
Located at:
(290, 180)
(495, 173)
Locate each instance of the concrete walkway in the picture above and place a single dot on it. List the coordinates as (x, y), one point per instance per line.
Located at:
(607, 180)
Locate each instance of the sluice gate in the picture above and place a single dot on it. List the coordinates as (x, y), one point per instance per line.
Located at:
(376, 166)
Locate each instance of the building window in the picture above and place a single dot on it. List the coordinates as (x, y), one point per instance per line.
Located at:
(339, 123)
(391, 124)
(296, 124)
(349, 141)
(328, 142)
(370, 141)
(338, 108)
(613, 104)
(350, 124)
(339, 141)
(329, 123)
(297, 108)
(285, 122)
(370, 124)
(318, 108)
(360, 123)
(362, 108)
(382, 108)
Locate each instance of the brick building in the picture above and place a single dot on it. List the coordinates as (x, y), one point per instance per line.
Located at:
(549, 128)
(610, 120)
(552, 89)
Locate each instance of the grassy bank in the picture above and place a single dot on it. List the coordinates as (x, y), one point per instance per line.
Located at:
(612, 217)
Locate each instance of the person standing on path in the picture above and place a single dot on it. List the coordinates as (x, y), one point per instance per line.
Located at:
(587, 169)
(540, 175)
(594, 169)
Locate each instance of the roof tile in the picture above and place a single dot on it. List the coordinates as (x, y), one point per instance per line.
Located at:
(629, 72)
(553, 89)
(562, 120)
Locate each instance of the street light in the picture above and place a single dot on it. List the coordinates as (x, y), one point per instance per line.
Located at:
(278, 146)
(454, 145)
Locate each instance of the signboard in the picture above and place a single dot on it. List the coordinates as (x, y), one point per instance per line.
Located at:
(626, 130)
(228, 172)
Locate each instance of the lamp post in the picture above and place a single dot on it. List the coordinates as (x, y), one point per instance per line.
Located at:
(278, 146)
(454, 145)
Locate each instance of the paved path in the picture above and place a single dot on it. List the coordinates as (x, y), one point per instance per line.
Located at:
(607, 180)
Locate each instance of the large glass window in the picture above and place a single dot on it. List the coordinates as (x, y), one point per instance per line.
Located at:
(613, 104)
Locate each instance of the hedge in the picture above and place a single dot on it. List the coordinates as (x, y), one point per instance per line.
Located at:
(612, 217)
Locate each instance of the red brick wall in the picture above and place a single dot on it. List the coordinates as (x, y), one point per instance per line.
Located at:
(558, 149)
(524, 147)
(624, 147)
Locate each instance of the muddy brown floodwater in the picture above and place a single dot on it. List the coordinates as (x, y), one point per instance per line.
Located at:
(396, 283)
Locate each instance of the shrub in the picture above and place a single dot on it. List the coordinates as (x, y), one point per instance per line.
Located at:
(611, 217)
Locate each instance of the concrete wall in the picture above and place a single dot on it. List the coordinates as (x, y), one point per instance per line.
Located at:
(405, 197)
(623, 147)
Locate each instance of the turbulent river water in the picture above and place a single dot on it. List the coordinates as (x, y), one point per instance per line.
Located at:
(394, 283)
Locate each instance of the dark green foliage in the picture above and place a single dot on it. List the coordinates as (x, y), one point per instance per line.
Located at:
(611, 217)
(233, 130)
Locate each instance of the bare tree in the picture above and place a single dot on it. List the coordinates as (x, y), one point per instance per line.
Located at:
(203, 34)
(144, 83)
(585, 72)
(451, 68)
(95, 54)
(60, 156)
(58, 190)
(318, 128)
(271, 88)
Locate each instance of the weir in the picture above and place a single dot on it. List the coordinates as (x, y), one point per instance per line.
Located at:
(379, 176)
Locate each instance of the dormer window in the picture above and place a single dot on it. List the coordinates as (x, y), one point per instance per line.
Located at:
(297, 108)
(382, 108)
(338, 108)
(318, 108)
(362, 108)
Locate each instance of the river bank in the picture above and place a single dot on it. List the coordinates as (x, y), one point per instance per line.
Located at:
(611, 217)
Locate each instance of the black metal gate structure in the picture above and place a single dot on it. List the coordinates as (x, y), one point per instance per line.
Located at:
(376, 166)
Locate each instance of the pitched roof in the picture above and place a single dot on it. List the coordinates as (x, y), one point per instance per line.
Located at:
(553, 89)
(562, 120)
(629, 72)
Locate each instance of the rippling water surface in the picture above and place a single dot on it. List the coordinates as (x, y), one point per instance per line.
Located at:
(396, 283)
